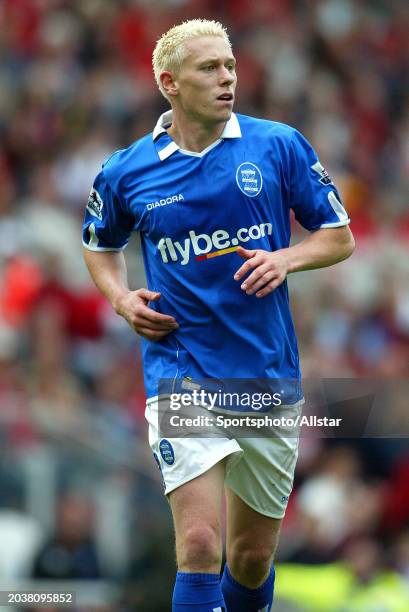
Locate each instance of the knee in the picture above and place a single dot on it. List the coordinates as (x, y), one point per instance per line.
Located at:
(199, 549)
(250, 564)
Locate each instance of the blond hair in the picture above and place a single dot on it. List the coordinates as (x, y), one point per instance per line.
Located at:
(170, 50)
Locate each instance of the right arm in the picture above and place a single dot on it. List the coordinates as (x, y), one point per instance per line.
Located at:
(108, 271)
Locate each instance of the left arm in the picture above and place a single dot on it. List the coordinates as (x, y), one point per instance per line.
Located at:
(322, 248)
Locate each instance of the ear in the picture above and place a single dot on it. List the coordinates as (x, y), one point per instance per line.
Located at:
(169, 83)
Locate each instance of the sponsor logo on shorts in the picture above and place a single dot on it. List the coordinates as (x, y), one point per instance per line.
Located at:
(249, 179)
(167, 452)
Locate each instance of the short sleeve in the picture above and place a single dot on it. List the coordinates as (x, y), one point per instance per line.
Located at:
(107, 225)
(314, 197)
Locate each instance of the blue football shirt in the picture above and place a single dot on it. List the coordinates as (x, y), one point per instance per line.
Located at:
(192, 211)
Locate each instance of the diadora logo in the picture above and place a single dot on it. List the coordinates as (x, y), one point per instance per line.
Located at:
(202, 245)
(170, 200)
(249, 179)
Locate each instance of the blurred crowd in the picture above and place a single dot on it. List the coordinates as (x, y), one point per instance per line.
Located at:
(75, 85)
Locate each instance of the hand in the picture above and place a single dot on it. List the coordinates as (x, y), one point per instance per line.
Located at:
(152, 325)
(268, 270)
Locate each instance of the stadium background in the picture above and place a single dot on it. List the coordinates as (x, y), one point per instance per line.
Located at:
(80, 497)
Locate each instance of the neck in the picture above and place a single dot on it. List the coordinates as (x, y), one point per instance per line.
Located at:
(194, 136)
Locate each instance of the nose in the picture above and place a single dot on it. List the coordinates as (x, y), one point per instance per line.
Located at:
(226, 75)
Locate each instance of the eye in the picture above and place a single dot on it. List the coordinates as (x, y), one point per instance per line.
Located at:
(209, 68)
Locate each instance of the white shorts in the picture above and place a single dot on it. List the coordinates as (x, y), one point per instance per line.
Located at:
(259, 470)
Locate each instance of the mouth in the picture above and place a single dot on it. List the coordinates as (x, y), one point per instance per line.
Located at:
(226, 97)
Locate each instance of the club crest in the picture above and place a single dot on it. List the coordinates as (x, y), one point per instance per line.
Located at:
(249, 179)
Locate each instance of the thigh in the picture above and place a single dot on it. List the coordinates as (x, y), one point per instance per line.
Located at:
(199, 501)
(196, 509)
(247, 528)
(264, 477)
(184, 459)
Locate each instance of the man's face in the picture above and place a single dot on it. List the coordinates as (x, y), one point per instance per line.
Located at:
(207, 80)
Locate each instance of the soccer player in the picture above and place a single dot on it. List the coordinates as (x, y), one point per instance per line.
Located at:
(210, 192)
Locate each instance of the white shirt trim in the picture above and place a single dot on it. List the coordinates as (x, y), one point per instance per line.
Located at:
(206, 150)
(168, 150)
(231, 130)
(98, 248)
(162, 123)
(336, 224)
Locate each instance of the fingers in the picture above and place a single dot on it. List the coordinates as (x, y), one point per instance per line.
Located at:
(152, 334)
(258, 279)
(252, 261)
(265, 272)
(147, 314)
(264, 285)
(269, 288)
(147, 294)
(142, 318)
(153, 330)
(157, 318)
(147, 319)
(140, 322)
(245, 253)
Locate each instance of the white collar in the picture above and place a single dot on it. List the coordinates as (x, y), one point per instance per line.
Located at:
(231, 130)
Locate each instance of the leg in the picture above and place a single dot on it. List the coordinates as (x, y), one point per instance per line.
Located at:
(251, 542)
(196, 509)
(248, 577)
(258, 491)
